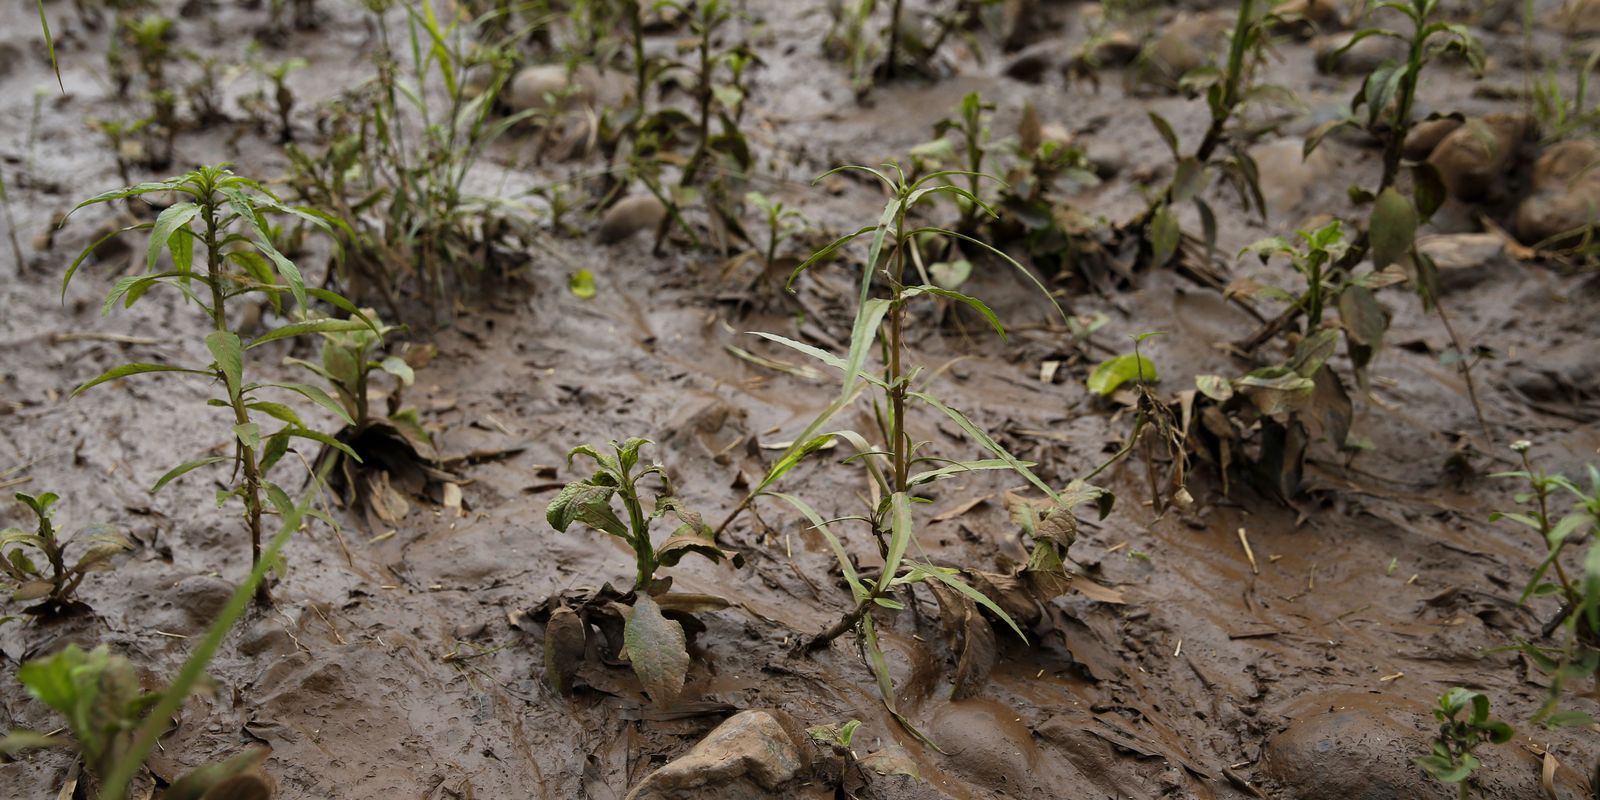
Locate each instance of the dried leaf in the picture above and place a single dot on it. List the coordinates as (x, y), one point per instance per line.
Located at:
(565, 640)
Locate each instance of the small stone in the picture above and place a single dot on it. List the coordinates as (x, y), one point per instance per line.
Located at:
(1576, 18)
(1186, 43)
(753, 754)
(1426, 135)
(1361, 59)
(1349, 749)
(1464, 259)
(1033, 62)
(200, 598)
(1474, 158)
(1286, 176)
(1115, 49)
(631, 215)
(1565, 195)
(533, 88)
(1313, 16)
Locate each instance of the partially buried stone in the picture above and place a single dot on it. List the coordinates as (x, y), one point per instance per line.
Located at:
(754, 754)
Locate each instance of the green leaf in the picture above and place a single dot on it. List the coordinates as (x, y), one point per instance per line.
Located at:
(900, 534)
(50, 46)
(857, 590)
(311, 326)
(186, 468)
(951, 274)
(249, 434)
(1112, 373)
(167, 224)
(1393, 228)
(974, 302)
(134, 369)
(1363, 319)
(1164, 235)
(1589, 609)
(1215, 387)
(658, 650)
(397, 366)
(224, 347)
(581, 284)
(317, 396)
(987, 442)
(1165, 129)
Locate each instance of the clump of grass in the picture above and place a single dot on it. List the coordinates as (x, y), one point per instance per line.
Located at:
(895, 464)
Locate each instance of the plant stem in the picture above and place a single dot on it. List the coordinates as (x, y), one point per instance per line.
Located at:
(894, 40)
(1465, 367)
(843, 625)
(241, 414)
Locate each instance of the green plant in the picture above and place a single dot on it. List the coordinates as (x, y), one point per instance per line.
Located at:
(124, 150)
(116, 724)
(221, 220)
(1227, 89)
(655, 645)
(1561, 116)
(54, 583)
(1452, 760)
(782, 222)
(392, 441)
(283, 98)
(1286, 406)
(896, 468)
(1577, 654)
(395, 172)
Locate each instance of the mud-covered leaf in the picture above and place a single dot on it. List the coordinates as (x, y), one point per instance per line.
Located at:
(658, 650)
(1392, 229)
(1313, 351)
(691, 603)
(1274, 389)
(1215, 387)
(1429, 188)
(1112, 373)
(1363, 318)
(681, 544)
(565, 638)
(32, 590)
(890, 762)
(1059, 527)
(1164, 235)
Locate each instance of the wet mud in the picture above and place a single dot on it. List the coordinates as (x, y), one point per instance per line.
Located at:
(396, 662)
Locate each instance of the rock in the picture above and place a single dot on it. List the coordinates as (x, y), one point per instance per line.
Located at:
(1359, 746)
(1114, 49)
(201, 598)
(631, 215)
(1286, 177)
(1473, 158)
(988, 744)
(1464, 259)
(1350, 749)
(751, 755)
(1189, 41)
(1033, 62)
(1567, 373)
(1361, 59)
(1565, 194)
(1426, 135)
(1576, 18)
(1312, 16)
(534, 87)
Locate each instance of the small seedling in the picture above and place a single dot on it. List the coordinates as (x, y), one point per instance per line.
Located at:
(54, 583)
(394, 441)
(654, 644)
(1576, 655)
(782, 222)
(1452, 759)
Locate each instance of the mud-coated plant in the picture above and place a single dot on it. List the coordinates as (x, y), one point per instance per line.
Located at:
(1451, 759)
(220, 253)
(653, 643)
(896, 465)
(53, 583)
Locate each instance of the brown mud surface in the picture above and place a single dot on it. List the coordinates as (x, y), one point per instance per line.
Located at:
(390, 668)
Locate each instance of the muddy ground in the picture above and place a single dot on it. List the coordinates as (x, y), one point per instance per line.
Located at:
(389, 668)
